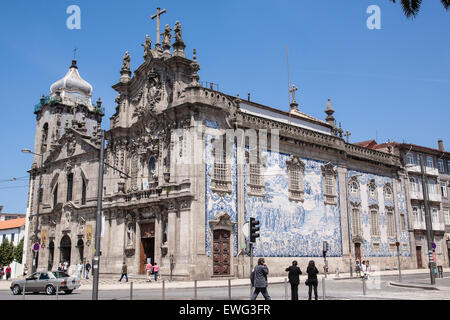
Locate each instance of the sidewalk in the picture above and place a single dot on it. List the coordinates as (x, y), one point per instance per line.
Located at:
(141, 283)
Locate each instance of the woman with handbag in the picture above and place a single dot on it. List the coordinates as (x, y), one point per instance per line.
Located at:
(312, 279)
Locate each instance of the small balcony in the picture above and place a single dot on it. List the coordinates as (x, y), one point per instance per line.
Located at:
(438, 226)
(419, 225)
(416, 195)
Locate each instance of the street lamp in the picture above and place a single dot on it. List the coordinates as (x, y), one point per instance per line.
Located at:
(36, 215)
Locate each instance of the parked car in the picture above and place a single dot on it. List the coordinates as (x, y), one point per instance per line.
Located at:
(47, 282)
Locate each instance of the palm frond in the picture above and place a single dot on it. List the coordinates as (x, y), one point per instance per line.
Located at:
(446, 4)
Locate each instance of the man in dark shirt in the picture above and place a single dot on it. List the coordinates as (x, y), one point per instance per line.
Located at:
(260, 280)
(294, 279)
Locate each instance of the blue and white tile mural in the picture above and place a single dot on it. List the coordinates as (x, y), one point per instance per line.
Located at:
(403, 208)
(215, 203)
(290, 228)
(365, 201)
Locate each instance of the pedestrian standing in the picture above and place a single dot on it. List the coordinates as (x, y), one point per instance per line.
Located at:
(294, 279)
(2, 272)
(259, 279)
(65, 266)
(60, 267)
(312, 282)
(124, 272)
(88, 268)
(155, 271)
(8, 272)
(368, 269)
(358, 268)
(79, 269)
(149, 269)
(363, 270)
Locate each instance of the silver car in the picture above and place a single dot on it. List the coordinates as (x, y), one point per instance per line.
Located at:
(47, 282)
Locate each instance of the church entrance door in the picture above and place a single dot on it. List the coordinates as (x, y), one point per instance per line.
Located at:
(65, 249)
(51, 252)
(221, 252)
(147, 245)
(358, 251)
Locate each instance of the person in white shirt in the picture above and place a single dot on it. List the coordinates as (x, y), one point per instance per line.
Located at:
(364, 269)
(79, 269)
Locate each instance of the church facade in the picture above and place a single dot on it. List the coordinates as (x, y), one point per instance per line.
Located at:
(186, 166)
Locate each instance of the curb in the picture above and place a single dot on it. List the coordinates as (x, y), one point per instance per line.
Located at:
(411, 285)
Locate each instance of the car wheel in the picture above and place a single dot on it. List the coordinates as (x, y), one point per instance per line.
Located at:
(50, 290)
(68, 291)
(16, 290)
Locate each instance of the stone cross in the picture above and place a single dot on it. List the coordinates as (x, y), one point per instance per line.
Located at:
(347, 134)
(157, 16)
(292, 90)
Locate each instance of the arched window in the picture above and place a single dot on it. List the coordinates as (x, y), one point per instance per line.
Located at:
(44, 137)
(296, 169)
(83, 191)
(356, 222)
(372, 189)
(151, 166)
(374, 224)
(388, 192)
(354, 187)
(69, 187)
(55, 196)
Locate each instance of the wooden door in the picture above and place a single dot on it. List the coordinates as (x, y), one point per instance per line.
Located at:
(147, 245)
(221, 252)
(358, 251)
(419, 256)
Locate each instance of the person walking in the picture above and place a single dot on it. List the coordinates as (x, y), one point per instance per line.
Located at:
(363, 270)
(2, 272)
(259, 280)
(155, 271)
(79, 269)
(358, 268)
(88, 268)
(124, 272)
(149, 269)
(8, 272)
(312, 279)
(294, 279)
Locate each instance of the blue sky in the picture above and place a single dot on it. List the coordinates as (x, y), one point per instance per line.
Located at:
(391, 83)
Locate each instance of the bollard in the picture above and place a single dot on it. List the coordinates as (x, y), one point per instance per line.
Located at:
(364, 286)
(163, 289)
(337, 272)
(229, 289)
(323, 288)
(195, 289)
(23, 293)
(57, 291)
(131, 290)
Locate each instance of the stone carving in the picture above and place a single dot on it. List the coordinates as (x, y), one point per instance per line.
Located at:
(66, 221)
(177, 29)
(126, 62)
(147, 47)
(81, 225)
(166, 37)
(153, 92)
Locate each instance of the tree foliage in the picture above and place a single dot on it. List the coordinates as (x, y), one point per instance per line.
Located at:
(6, 253)
(412, 7)
(18, 252)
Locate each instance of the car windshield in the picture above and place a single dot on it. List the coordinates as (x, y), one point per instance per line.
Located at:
(60, 274)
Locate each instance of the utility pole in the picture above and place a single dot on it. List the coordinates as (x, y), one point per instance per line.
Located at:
(428, 223)
(98, 224)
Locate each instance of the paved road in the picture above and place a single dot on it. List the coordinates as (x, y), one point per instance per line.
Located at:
(345, 289)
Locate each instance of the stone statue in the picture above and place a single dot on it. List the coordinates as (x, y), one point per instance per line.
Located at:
(177, 29)
(167, 36)
(147, 46)
(126, 62)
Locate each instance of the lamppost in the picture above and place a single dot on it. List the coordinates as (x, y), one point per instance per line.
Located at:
(36, 215)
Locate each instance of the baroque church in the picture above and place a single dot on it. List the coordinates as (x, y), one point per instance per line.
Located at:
(171, 196)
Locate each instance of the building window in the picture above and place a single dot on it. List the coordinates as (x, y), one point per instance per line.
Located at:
(441, 165)
(374, 225)
(448, 166)
(255, 180)
(354, 188)
(390, 223)
(83, 191)
(432, 186)
(356, 222)
(446, 216)
(151, 168)
(435, 215)
(4, 237)
(221, 182)
(69, 186)
(329, 184)
(387, 191)
(55, 196)
(372, 189)
(403, 221)
(430, 162)
(413, 184)
(12, 237)
(444, 189)
(410, 158)
(296, 169)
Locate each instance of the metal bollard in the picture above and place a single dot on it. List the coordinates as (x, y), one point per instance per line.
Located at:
(163, 289)
(57, 291)
(364, 286)
(337, 272)
(323, 289)
(131, 290)
(23, 293)
(229, 289)
(195, 289)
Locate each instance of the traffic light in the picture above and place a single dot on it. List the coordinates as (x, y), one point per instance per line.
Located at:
(254, 230)
(325, 248)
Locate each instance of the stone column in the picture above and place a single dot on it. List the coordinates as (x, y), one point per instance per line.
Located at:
(171, 232)
(342, 182)
(240, 210)
(137, 245)
(184, 238)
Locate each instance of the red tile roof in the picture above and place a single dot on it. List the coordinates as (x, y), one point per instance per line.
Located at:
(12, 224)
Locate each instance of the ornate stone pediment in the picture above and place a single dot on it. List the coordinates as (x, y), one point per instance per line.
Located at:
(222, 221)
(149, 95)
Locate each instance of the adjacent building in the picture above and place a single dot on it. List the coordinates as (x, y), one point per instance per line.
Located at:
(13, 230)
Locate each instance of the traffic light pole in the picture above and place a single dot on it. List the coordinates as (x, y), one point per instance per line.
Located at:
(251, 266)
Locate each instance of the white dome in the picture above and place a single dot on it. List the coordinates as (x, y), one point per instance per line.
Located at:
(72, 83)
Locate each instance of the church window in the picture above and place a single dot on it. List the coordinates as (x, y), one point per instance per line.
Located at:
(151, 167)
(83, 191)
(296, 169)
(374, 224)
(354, 187)
(44, 137)
(403, 221)
(255, 181)
(329, 184)
(372, 189)
(356, 222)
(69, 186)
(387, 191)
(390, 223)
(55, 196)
(221, 182)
